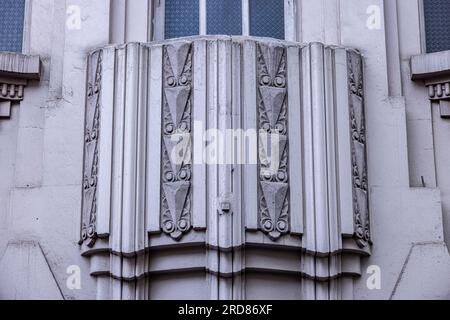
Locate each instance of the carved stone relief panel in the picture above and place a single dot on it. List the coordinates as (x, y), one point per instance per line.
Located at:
(176, 126)
(91, 150)
(273, 140)
(358, 146)
(433, 70)
(12, 90)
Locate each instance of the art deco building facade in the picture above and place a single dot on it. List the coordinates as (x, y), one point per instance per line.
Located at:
(117, 118)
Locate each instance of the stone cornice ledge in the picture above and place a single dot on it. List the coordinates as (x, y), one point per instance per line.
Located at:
(16, 70)
(430, 66)
(434, 70)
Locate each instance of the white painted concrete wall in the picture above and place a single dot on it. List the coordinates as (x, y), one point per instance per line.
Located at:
(41, 145)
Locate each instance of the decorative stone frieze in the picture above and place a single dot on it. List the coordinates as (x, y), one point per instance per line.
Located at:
(12, 90)
(15, 71)
(359, 154)
(154, 203)
(91, 150)
(439, 90)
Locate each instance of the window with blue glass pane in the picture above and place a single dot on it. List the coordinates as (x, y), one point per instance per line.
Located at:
(11, 25)
(267, 18)
(437, 25)
(181, 18)
(224, 17)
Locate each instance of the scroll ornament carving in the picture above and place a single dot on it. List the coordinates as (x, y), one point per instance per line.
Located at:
(359, 157)
(91, 155)
(273, 141)
(176, 151)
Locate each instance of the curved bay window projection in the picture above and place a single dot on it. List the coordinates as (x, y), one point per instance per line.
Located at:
(295, 218)
(262, 18)
(147, 216)
(437, 25)
(12, 14)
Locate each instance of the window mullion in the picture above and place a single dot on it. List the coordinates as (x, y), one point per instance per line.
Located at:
(245, 18)
(159, 8)
(203, 18)
(290, 20)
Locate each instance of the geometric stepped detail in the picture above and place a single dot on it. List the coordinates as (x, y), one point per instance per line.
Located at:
(175, 196)
(176, 134)
(16, 70)
(177, 99)
(361, 212)
(178, 54)
(176, 146)
(91, 152)
(273, 99)
(272, 148)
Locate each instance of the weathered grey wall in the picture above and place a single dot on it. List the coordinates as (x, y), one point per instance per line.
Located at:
(42, 145)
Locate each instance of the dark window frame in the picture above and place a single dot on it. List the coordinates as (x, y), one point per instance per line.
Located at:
(289, 23)
(436, 15)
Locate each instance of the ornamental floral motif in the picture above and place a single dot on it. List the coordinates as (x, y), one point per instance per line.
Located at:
(358, 145)
(91, 152)
(273, 141)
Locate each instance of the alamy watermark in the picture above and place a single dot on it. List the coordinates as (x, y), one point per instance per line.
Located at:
(227, 147)
(73, 21)
(374, 280)
(374, 20)
(73, 281)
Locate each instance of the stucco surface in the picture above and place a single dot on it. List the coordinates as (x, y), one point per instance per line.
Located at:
(41, 155)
